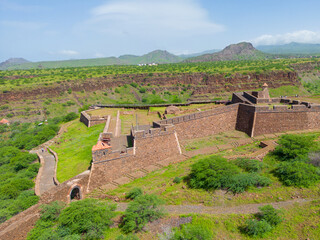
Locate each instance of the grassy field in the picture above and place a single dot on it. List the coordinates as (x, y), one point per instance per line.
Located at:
(213, 140)
(287, 91)
(74, 149)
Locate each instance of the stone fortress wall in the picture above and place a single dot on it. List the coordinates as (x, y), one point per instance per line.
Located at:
(161, 140)
(89, 120)
(149, 147)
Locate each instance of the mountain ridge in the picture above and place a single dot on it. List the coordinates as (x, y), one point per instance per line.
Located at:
(239, 51)
(291, 48)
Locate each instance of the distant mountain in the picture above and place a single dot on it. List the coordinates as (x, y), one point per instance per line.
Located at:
(291, 49)
(240, 51)
(184, 56)
(12, 62)
(158, 56)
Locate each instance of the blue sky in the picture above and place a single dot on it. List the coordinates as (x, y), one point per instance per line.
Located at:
(72, 29)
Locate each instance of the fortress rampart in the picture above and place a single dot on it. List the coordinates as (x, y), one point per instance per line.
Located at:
(89, 120)
(149, 147)
(254, 113)
(204, 123)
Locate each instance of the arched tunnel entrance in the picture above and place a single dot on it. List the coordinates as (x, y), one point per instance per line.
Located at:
(75, 194)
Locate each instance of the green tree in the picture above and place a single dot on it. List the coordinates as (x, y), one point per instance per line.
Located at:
(144, 209)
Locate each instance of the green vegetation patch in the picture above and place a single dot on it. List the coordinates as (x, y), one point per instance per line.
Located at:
(74, 149)
(85, 219)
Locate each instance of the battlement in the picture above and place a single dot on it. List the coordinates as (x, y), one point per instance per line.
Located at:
(148, 131)
(90, 121)
(198, 115)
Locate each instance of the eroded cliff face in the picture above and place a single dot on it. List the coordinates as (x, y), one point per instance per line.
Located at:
(305, 67)
(200, 83)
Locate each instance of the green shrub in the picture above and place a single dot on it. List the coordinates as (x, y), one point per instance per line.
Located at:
(70, 116)
(297, 173)
(177, 180)
(133, 84)
(133, 193)
(142, 90)
(144, 209)
(127, 237)
(87, 217)
(51, 212)
(217, 173)
(249, 165)
(192, 232)
(241, 182)
(270, 215)
(257, 228)
(117, 90)
(211, 173)
(294, 146)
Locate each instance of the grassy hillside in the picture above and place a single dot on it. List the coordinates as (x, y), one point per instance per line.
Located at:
(157, 56)
(22, 79)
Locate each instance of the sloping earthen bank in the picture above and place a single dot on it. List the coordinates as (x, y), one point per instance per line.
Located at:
(199, 83)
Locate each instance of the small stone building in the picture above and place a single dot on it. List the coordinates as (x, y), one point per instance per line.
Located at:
(4, 121)
(172, 110)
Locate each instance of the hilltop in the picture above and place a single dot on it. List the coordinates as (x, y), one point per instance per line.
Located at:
(12, 62)
(240, 51)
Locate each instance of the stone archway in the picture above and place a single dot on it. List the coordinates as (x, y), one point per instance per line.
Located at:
(75, 193)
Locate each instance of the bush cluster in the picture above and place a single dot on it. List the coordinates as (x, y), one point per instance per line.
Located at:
(217, 173)
(191, 232)
(249, 165)
(144, 209)
(85, 219)
(268, 218)
(134, 193)
(300, 166)
(294, 146)
(16, 173)
(298, 174)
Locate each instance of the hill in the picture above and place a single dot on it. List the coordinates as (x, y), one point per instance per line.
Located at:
(12, 62)
(157, 56)
(185, 56)
(291, 49)
(240, 51)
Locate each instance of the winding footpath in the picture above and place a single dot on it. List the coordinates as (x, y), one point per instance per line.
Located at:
(46, 179)
(241, 209)
(46, 175)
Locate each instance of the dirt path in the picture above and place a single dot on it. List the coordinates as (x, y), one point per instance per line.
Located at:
(47, 173)
(242, 209)
(117, 131)
(46, 179)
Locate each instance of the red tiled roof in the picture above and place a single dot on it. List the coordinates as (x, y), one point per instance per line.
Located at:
(4, 121)
(100, 145)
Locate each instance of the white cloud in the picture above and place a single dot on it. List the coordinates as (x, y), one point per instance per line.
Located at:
(303, 36)
(152, 18)
(69, 52)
